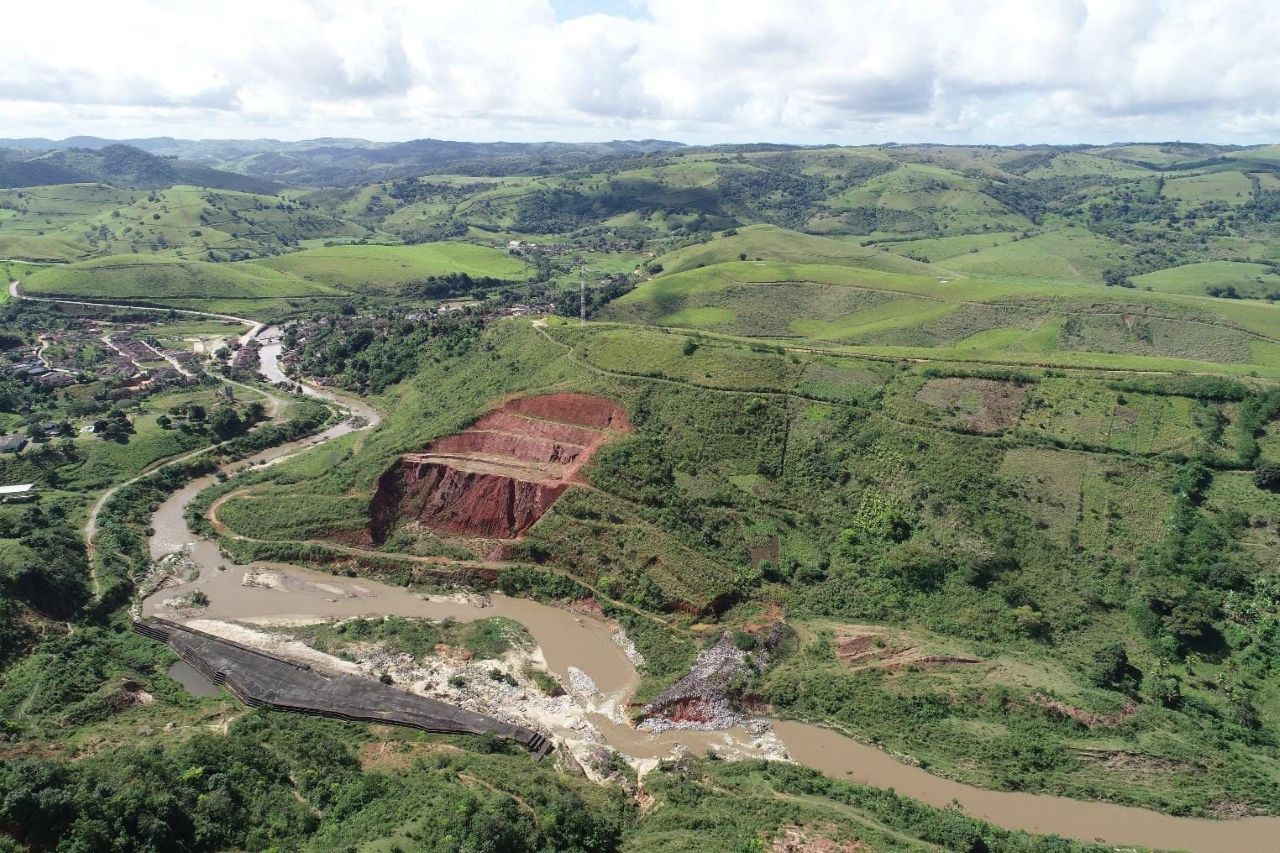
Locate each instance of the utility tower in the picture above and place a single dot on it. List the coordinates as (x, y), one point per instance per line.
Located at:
(582, 296)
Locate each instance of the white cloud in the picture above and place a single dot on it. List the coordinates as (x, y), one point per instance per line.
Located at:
(699, 70)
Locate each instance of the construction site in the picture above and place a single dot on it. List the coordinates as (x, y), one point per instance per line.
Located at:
(261, 680)
(499, 476)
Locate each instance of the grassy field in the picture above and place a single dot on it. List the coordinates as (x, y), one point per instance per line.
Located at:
(78, 221)
(1078, 164)
(1067, 255)
(769, 243)
(938, 249)
(1081, 412)
(387, 268)
(147, 278)
(293, 515)
(1248, 280)
(963, 319)
(105, 462)
(1228, 187)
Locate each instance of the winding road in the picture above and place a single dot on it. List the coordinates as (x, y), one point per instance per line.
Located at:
(255, 327)
(275, 402)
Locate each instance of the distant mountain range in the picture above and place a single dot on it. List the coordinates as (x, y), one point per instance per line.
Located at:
(118, 165)
(259, 165)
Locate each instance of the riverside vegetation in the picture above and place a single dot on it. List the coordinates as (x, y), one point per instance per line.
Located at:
(989, 438)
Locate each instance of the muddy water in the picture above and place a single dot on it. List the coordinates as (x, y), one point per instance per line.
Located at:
(572, 640)
(838, 756)
(194, 683)
(282, 593)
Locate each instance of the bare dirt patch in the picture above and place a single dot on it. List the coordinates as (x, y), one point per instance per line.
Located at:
(500, 475)
(388, 755)
(1090, 719)
(807, 839)
(1136, 765)
(762, 551)
(982, 405)
(869, 647)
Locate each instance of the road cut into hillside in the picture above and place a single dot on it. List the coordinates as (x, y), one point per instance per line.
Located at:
(496, 478)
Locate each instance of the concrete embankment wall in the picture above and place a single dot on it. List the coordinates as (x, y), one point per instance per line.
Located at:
(262, 680)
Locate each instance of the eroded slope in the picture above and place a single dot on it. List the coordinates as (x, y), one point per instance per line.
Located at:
(497, 478)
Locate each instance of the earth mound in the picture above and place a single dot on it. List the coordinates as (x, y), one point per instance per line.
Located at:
(496, 478)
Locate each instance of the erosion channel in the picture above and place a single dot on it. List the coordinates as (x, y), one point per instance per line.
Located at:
(586, 655)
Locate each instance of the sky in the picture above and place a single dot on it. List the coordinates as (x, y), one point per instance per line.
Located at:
(696, 71)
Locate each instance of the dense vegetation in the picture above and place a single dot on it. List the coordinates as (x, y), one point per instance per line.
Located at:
(990, 436)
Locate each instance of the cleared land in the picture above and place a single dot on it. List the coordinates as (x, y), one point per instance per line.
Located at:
(147, 278)
(387, 268)
(1253, 281)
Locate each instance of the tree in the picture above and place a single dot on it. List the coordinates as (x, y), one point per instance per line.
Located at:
(1111, 669)
(226, 423)
(1267, 476)
(197, 412)
(164, 422)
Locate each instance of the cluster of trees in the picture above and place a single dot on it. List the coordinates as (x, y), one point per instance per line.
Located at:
(116, 426)
(780, 194)
(49, 570)
(411, 190)
(224, 423)
(452, 284)
(285, 782)
(370, 354)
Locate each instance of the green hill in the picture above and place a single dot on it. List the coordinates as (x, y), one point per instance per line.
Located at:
(968, 319)
(1067, 255)
(771, 243)
(1253, 281)
(386, 268)
(149, 278)
(78, 221)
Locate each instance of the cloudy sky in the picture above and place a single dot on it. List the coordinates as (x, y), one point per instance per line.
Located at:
(846, 71)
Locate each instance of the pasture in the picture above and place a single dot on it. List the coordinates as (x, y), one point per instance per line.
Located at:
(1254, 281)
(148, 278)
(387, 268)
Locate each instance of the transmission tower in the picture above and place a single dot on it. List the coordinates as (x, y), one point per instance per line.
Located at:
(582, 296)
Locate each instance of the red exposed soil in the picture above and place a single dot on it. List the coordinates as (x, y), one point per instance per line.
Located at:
(872, 648)
(497, 478)
(582, 409)
(1090, 719)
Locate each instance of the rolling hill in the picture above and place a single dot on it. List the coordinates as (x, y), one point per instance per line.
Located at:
(146, 278)
(387, 268)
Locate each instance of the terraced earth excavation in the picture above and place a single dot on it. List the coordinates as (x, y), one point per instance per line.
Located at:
(499, 476)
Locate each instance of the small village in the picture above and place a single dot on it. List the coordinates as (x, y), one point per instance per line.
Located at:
(89, 378)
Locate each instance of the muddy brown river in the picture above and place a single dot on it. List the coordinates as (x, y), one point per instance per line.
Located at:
(286, 593)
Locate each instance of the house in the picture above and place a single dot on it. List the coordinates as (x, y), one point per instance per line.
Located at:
(12, 443)
(56, 380)
(21, 493)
